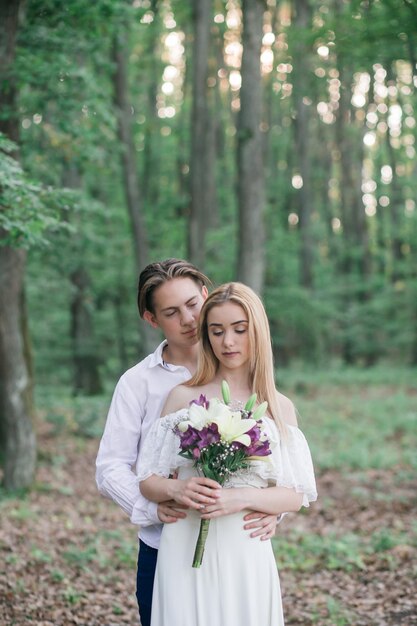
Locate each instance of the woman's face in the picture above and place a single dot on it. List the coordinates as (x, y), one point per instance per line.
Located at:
(228, 334)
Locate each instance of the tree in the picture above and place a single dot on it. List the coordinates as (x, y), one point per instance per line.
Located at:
(250, 170)
(200, 127)
(17, 433)
(132, 187)
(302, 26)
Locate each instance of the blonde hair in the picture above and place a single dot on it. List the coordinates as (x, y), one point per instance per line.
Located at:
(261, 362)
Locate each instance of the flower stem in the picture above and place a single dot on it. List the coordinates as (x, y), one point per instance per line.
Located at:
(201, 542)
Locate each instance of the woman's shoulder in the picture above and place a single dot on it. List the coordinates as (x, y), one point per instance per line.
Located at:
(179, 398)
(287, 408)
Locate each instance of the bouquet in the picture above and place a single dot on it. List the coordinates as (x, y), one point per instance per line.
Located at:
(221, 441)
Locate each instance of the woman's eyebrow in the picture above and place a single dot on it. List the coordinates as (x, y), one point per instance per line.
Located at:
(232, 324)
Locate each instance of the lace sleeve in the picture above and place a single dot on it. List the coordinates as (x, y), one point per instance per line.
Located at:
(290, 463)
(293, 465)
(161, 447)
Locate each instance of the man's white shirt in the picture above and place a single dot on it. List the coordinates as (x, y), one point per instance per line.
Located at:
(137, 402)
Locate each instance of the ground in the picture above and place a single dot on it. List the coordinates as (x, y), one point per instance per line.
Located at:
(69, 555)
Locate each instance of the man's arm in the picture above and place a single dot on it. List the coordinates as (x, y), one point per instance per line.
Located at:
(118, 453)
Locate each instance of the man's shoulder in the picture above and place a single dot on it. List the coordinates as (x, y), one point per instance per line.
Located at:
(147, 363)
(139, 371)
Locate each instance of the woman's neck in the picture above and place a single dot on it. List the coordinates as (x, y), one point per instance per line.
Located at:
(238, 381)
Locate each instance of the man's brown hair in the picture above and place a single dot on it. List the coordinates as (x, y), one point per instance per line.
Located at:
(156, 274)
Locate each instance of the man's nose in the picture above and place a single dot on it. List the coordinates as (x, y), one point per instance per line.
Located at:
(186, 317)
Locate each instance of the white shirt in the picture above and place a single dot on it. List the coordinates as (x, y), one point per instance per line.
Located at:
(137, 402)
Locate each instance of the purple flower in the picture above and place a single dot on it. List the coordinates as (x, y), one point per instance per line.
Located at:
(189, 438)
(254, 433)
(259, 448)
(202, 401)
(196, 453)
(208, 435)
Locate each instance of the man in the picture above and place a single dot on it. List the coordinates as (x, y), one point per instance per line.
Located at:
(170, 296)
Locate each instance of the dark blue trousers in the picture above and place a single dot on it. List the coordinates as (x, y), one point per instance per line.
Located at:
(144, 581)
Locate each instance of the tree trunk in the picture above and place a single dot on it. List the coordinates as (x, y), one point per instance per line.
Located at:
(250, 170)
(86, 361)
(17, 434)
(86, 373)
(134, 198)
(302, 23)
(199, 174)
(356, 257)
(125, 132)
(152, 151)
(118, 299)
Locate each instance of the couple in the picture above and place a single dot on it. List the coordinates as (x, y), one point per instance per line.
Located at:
(237, 582)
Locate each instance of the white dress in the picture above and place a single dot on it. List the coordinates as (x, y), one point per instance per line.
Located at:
(237, 583)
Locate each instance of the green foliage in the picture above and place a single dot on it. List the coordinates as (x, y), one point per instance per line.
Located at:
(72, 596)
(349, 552)
(29, 213)
(310, 552)
(339, 615)
(80, 416)
(64, 69)
(350, 429)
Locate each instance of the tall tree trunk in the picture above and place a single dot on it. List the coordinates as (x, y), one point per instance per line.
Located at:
(86, 360)
(396, 205)
(356, 257)
(151, 160)
(302, 23)
(133, 192)
(119, 297)
(86, 373)
(132, 187)
(199, 197)
(250, 170)
(17, 434)
(347, 203)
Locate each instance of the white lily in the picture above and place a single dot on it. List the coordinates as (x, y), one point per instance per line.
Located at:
(233, 428)
(199, 416)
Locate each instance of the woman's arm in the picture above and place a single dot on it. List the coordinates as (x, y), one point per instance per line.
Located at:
(271, 500)
(193, 492)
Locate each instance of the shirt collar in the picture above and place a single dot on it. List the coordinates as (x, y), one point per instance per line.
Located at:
(157, 356)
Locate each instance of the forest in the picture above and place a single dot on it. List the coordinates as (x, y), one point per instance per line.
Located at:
(267, 141)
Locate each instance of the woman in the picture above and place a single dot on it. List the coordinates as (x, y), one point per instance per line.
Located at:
(237, 583)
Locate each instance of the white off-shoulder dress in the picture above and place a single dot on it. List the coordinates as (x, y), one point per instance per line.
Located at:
(237, 583)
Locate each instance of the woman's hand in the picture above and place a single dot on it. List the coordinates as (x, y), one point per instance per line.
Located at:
(229, 501)
(195, 492)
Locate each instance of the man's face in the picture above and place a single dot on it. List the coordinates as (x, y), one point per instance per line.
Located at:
(177, 305)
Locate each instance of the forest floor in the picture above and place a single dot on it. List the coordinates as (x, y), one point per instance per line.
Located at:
(69, 556)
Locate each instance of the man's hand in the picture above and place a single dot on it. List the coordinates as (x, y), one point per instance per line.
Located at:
(264, 525)
(170, 511)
